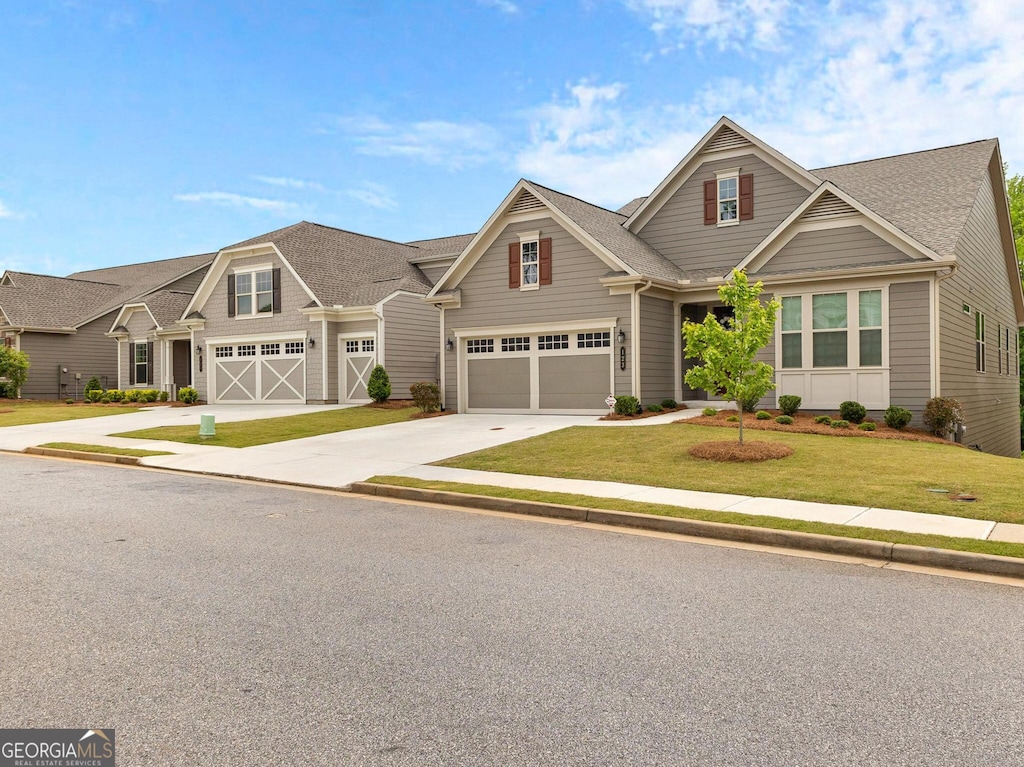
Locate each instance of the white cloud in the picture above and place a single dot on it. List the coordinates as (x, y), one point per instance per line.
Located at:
(436, 142)
(726, 24)
(872, 80)
(6, 212)
(291, 183)
(505, 6)
(375, 195)
(229, 199)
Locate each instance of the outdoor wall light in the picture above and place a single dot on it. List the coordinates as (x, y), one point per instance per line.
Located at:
(312, 342)
(449, 345)
(621, 337)
(199, 349)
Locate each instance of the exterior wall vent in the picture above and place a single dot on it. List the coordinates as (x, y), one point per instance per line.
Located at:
(829, 206)
(525, 202)
(725, 139)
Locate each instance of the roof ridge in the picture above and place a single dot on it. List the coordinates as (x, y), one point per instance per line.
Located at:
(357, 234)
(444, 237)
(574, 197)
(904, 154)
(69, 279)
(143, 263)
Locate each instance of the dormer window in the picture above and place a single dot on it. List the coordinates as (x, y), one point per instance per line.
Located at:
(530, 264)
(254, 293)
(729, 197)
(529, 261)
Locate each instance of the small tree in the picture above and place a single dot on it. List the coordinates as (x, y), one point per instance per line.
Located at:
(14, 367)
(93, 385)
(379, 387)
(728, 352)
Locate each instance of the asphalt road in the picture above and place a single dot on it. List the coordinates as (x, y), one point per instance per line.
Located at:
(220, 623)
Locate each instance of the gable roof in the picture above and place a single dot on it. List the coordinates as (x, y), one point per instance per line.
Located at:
(166, 306)
(632, 205)
(442, 246)
(928, 195)
(343, 268)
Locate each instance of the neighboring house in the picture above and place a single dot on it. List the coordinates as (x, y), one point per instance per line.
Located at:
(61, 322)
(302, 314)
(897, 277)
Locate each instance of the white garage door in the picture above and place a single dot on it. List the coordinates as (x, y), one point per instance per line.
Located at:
(561, 372)
(259, 371)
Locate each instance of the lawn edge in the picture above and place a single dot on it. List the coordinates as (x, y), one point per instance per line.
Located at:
(82, 455)
(901, 553)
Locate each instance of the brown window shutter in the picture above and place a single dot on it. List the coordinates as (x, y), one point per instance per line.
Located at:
(710, 202)
(277, 290)
(545, 261)
(746, 196)
(514, 275)
(231, 295)
(149, 362)
(131, 364)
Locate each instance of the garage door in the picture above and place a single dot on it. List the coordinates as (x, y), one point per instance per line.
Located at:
(259, 371)
(563, 372)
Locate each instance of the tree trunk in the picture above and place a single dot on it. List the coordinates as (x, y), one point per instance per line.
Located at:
(741, 424)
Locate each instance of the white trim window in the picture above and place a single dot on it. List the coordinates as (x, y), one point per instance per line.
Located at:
(529, 264)
(847, 330)
(979, 342)
(792, 326)
(141, 363)
(869, 321)
(728, 183)
(254, 293)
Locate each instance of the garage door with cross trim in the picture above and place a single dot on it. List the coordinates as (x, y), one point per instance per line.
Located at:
(357, 359)
(552, 372)
(260, 371)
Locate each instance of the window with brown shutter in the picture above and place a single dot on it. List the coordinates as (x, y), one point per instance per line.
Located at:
(513, 265)
(746, 197)
(231, 295)
(276, 282)
(545, 261)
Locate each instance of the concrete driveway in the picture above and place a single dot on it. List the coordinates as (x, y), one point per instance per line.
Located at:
(331, 460)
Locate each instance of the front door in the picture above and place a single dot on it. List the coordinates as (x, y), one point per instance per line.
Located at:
(181, 364)
(358, 357)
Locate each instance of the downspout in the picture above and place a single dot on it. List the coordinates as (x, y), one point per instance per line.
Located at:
(635, 345)
(937, 322)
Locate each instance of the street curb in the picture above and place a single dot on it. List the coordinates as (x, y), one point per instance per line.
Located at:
(81, 455)
(947, 559)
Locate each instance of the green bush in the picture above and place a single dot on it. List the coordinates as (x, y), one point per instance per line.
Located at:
(104, 400)
(851, 411)
(709, 411)
(69, 401)
(164, 396)
(426, 396)
(867, 426)
(840, 423)
(785, 420)
(93, 395)
(763, 415)
(14, 367)
(823, 419)
(379, 387)
(897, 417)
(188, 395)
(93, 385)
(732, 418)
(789, 404)
(749, 404)
(150, 395)
(941, 414)
(654, 408)
(627, 405)
(115, 395)
(669, 404)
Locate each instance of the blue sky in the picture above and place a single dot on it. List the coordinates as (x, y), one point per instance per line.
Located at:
(133, 130)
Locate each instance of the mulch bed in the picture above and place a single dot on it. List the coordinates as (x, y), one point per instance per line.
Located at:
(734, 452)
(392, 404)
(803, 423)
(645, 414)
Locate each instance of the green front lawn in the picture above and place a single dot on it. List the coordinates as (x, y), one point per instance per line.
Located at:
(103, 449)
(268, 430)
(860, 472)
(15, 412)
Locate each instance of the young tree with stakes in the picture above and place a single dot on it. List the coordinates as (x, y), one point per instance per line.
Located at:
(728, 351)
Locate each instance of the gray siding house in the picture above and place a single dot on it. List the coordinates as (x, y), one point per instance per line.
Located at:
(897, 277)
(304, 313)
(61, 322)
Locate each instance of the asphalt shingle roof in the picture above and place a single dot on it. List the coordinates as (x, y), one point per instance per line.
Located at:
(166, 306)
(344, 268)
(630, 207)
(443, 246)
(929, 195)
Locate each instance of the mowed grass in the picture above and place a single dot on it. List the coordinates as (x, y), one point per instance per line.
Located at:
(268, 430)
(891, 474)
(998, 548)
(104, 449)
(22, 412)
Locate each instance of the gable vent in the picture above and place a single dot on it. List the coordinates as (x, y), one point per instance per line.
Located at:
(829, 206)
(726, 138)
(525, 202)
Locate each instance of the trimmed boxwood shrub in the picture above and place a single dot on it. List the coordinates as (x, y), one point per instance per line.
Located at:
(763, 415)
(654, 408)
(93, 395)
(188, 395)
(115, 395)
(867, 426)
(897, 417)
(840, 423)
(941, 414)
(789, 404)
(164, 396)
(823, 419)
(149, 395)
(709, 411)
(733, 418)
(851, 411)
(785, 420)
(426, 396)
(669, 404)
(104, 400)
(379, 387)
(627, 405)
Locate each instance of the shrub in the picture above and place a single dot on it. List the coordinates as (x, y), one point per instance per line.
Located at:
(851, 411)
(104, 400)
(93, 395)
(131, 395)
(840, 423)
(426, 396)
(69, 401)
(150, 395)
(823, 419)
(669, 404)
(941, 414)
(789, 404)
(654, 408)
(14, 367)
(785, 420)
(763, 415)
(188, 395)
(867, 426)
(93, 385)
(379, 387)
(627, 405)
(115, 395)
(164, 396)
(732, 418)
(897, 417)
(709, 411)
(749, 404)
